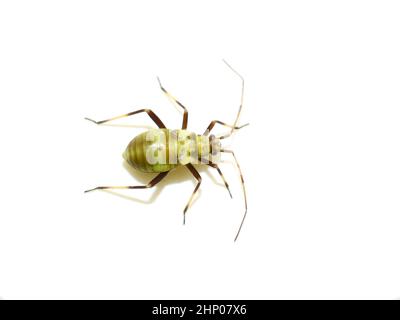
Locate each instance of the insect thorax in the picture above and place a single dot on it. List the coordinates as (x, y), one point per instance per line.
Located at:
(160, 150)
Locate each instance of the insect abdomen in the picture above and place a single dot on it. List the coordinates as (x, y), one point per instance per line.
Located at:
(161, 150)
(141, 151)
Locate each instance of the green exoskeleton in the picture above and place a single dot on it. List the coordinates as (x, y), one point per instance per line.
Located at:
(162, 150)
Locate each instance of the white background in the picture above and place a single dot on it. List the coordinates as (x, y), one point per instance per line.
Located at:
(320, 158)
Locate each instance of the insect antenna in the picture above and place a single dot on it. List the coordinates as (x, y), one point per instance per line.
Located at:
(243, 187)
(241, 100)
(233, 128)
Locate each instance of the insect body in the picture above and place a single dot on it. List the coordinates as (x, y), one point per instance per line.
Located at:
(162, 150)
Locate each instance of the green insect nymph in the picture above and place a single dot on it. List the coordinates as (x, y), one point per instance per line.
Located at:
(162, 150)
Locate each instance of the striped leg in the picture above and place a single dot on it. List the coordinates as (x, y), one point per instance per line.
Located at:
(152, 183)
(215, 166)
(185, 112)
(151, 114)
(244, 190)
(198, 177)
(214, 122)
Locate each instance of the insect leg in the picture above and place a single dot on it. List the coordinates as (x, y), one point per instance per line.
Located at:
(215, 166)
(243, 187)
(152, 183)
(214, 122)
(172, 98)
(151, 114)
(198, 177)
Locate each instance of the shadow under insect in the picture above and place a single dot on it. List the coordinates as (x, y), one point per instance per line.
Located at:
(176, 176)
